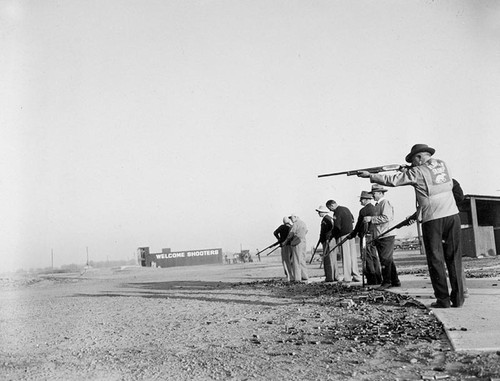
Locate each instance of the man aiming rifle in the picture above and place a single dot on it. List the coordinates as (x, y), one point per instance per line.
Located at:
(433, 184)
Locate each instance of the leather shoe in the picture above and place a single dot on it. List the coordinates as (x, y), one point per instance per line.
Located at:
(384, 286)
(396, 284)
(440, 304)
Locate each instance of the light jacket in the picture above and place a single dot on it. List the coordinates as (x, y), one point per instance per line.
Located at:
(433, 188)
(384, 214)
(297, 233)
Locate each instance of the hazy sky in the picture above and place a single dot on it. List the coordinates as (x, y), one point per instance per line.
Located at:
(200, 124)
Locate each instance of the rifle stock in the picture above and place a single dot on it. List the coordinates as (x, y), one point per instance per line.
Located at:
(383, 168)
(314, 252)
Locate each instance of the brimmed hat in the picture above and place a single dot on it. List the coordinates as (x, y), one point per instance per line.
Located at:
(322, 209)
(378, 188)
(417, 148)
(366, 194)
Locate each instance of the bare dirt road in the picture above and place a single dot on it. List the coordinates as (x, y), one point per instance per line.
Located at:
(232, 322)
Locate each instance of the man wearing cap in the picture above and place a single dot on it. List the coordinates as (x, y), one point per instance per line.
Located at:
(297, 240)
(325, 238)
(372, 265)
(286, 251)
(440, 220)
(380, 222)
(342, 227)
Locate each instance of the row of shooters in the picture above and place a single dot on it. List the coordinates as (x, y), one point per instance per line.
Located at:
(436, 210)
(337, 231)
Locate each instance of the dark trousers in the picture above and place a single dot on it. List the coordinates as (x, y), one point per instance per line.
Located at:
(385, 248)
(372, 266)
(442, 246)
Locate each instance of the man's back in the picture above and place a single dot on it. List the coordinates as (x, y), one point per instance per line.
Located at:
(326, 228)
(282, 232)
(343, 221)
(299, 229)
(367, 210)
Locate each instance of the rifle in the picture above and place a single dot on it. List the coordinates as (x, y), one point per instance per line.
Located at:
(314, 252)
(274, 244)
(272, 251)
(405, 222)
(337, 245)
(363, 251)
(383, 168)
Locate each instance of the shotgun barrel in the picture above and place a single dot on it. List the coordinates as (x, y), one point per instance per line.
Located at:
(383, 168)
(274, 244)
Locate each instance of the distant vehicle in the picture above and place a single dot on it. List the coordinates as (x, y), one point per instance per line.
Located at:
(407, 244)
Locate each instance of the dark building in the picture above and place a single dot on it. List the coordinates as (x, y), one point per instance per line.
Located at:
(167, 258)
(480, 218)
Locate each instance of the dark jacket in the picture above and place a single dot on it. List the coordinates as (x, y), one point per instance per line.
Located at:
(367, 210)
(326, 229)
(282, 232)
(343, 221)
(458, 193)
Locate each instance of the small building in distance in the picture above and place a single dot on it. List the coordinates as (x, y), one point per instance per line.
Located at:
(480, 219)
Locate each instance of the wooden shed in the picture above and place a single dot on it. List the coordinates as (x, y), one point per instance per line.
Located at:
(480, 219)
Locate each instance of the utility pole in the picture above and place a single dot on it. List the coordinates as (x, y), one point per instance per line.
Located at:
(87, 255)
(52, 259)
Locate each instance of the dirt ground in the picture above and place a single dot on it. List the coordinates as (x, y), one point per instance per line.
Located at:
(224, 322)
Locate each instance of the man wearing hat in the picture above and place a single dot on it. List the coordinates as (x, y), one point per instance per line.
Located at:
(440, 220)
(380, 222)
(325, 238)
(286, 250)
(372, 265)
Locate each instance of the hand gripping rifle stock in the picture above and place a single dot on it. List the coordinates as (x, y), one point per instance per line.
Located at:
(347, 237)
(383, 168)
(405, 222)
